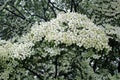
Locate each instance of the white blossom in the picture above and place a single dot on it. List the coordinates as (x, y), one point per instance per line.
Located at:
(21, 50)
(5, 48)
(70, 28)
(67, 28)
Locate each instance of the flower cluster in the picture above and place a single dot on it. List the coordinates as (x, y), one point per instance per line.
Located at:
(5, 49)
(15, 50)
(21, 50)
(68, 28)
(71, 28)
(36, 33)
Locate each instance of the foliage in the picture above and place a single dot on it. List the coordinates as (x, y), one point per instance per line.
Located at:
(61, 55)
(17, 16)
(69, 47)
(102, 11)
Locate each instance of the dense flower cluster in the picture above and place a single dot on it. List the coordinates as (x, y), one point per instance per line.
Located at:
(15, 50)
(5, 47)
(68, 28)
(21, 50)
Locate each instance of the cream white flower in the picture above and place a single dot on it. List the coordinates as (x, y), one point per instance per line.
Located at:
(5, 48)
(67, 28)
(21, 50)
(71, 28)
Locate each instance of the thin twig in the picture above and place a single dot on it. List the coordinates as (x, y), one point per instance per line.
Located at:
(3, 6)
(36, 74)
(73, 6)
(18, 11)
(56, 67)
(56, 7)
(15, 14)
(52, 7)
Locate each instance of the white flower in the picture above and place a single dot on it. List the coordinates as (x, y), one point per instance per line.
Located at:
(68, 28)
(5, 48)
(71, 28)
(52, 51)
(21, 50)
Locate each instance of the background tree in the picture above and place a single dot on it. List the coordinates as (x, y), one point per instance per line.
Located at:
(17, 17)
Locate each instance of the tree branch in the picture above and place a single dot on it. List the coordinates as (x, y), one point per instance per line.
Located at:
(15, 14)
(73, 6)
(33, 72)
(56, 7)
(52, 7)
(36, 15)
(56, 67)
(18, 11)
(3, 6)
(39, 76)
(44, 11)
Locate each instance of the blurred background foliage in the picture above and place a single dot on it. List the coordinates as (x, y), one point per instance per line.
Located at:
(17, 16)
